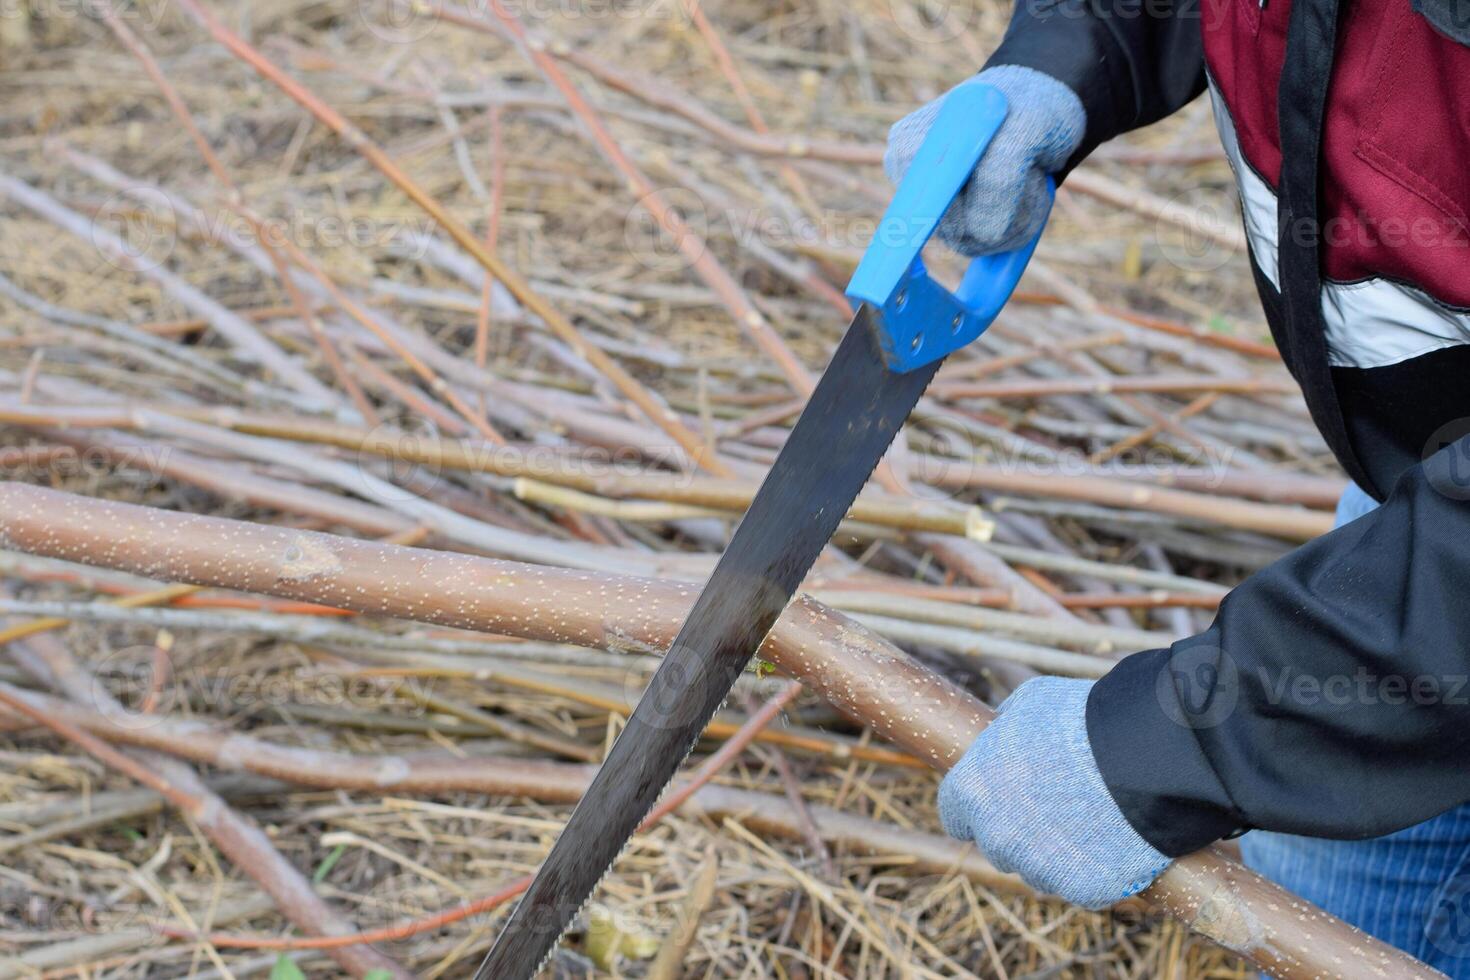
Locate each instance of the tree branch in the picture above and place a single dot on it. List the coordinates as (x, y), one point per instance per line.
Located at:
(858, 672)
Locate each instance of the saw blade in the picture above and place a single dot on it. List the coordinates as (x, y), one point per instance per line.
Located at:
(858, 406)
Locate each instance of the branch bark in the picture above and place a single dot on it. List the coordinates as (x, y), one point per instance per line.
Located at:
(855, 670)
(1288, 521)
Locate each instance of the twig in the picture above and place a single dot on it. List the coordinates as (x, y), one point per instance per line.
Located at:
(651, 406)
(181, 111)
(860, 674)
(360, 313)
(727, 753)
(685, 238)
(233, 327)
(492, 233)
(797, 147)
(1121, 385)
(244, 842)
(666, 965)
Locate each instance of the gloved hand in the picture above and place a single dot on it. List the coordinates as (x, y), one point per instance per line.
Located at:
(1004, 204)
(1029, 793)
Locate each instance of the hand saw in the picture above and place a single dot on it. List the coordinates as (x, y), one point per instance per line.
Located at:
(905, 325)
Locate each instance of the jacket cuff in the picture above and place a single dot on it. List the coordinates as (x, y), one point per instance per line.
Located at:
(1141, 723)
(1066, 41)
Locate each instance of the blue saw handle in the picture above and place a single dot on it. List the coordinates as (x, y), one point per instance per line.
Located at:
(921, 321)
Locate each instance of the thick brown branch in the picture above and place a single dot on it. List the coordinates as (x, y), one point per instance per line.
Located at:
(854, 669)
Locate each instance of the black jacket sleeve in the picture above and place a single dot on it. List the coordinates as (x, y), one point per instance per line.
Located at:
(1132, 62)
(1331, 696)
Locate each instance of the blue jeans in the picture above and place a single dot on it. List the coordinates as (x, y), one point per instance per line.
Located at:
(1411, 888)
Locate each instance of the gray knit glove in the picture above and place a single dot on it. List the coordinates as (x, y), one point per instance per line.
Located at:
(1029, 793)
(1004, 204)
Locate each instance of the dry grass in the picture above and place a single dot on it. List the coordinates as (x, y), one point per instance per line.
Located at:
(91, 863)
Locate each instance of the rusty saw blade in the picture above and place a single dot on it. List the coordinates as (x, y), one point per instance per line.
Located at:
(853, 415)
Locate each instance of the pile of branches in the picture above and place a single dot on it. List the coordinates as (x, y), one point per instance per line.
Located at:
(379, 384)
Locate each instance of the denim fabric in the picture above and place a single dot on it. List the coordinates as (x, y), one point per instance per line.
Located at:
(1410, 888)
(1353, 504)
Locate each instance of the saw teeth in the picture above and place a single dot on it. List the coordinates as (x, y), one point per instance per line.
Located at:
(774, 569)
(551, 947)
